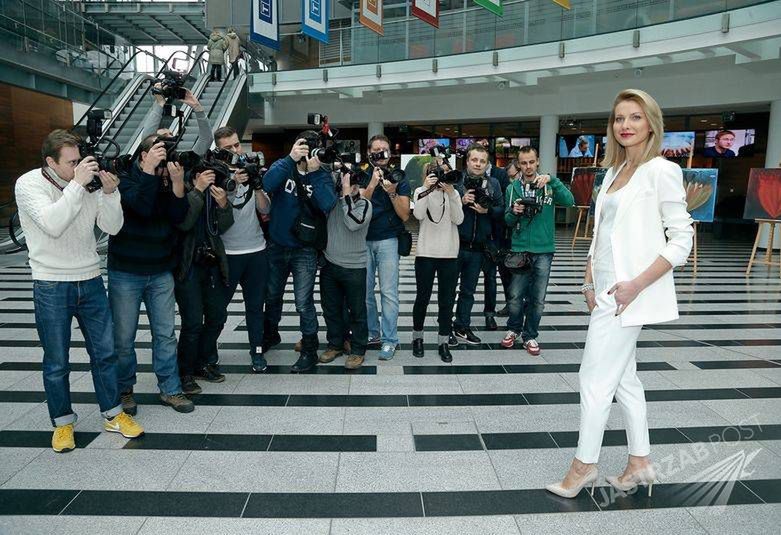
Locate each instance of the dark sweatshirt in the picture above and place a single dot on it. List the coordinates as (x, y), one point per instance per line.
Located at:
(146, 244)
(477, 230)
(278, 182)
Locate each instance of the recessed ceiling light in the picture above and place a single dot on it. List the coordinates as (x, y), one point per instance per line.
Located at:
(703, 120)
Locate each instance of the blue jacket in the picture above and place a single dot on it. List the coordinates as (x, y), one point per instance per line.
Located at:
(278, 183)
(478, 229)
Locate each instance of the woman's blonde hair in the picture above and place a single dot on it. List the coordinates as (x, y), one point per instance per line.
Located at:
(615, 153)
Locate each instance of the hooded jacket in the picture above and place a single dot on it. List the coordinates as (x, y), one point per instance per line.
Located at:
(216, 47)
(477, 230)
(234, 46)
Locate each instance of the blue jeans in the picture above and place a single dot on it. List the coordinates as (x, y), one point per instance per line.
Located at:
(56, 304)
(126, 291)
(383, 256)
(470, 264)
(302, 262)
(527, 296)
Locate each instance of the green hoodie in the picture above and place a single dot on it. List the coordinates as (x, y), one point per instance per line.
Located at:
(535, 235)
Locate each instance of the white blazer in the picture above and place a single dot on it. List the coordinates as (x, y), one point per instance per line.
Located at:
(654, 205)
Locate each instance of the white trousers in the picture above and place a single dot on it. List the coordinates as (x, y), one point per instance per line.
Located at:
(609, 369)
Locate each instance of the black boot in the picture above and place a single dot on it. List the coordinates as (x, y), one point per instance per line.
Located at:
(307, 360)
(490, 323)
(417, 348)
(270, 336)
(444, 353)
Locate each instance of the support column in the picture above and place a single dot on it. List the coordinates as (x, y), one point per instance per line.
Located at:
(374, 129)
(549, 127)
(773, 159)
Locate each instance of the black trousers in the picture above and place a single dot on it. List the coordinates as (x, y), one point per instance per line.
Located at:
(446, 272)
(341, 286)
(250, 270)
(200, 299)
(216, 73)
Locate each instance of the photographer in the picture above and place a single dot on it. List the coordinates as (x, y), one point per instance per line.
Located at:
(390, 209)
(533, 230)
(439, 209)
(201, 277)
(58, 216)
(343, 277)
(141, 259)
(513, 173)
(283, 181)
(245, 245)
(155, 115)
(481, 196)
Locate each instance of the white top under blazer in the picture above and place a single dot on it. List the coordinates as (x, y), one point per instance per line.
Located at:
(653, 205)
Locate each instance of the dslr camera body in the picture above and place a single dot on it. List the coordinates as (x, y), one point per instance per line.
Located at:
(323, 146)
(439, 153)
(475, 184)
(90, 146)
(530, 201)
(172, 86)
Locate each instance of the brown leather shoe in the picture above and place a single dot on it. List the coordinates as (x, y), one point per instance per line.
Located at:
(330, 354)
(297, 347)
(353, 362)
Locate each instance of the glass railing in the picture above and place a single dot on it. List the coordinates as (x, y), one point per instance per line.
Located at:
(470, 28)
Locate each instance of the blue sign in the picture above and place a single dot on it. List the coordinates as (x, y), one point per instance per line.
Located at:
(314, 19)
(266, 11)
(264, 25)
(314, 11)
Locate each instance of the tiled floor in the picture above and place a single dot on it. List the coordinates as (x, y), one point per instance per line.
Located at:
(414, 445)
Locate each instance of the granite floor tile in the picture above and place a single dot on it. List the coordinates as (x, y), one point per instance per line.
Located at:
(472, 525)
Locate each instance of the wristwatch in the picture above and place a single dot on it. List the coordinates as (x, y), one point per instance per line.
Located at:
(393, 195)
(586, 287)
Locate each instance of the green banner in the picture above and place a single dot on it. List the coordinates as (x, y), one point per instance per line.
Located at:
(494, 6)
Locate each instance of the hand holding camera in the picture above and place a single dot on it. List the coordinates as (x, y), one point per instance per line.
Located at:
(468, 198)
(175, 172)
(431, 181)
(347, 187)
(377, 176)
(300, 150)
(153, 158)
(241, 176)
(204, 180)
(389, 186)
(518, 208)
(219, 196)
(312, 164)
(84, 172)
(109, 181)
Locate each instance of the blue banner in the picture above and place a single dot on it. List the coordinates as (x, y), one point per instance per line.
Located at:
(265, 23)
(314, 19)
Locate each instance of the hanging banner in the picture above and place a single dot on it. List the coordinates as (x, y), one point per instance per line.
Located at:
(563, 3)
(314, 19)
(427, 11)
(265, 23)
(494, 6)
(371, 15)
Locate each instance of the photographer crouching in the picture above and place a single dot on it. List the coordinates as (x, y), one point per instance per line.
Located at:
(201, 276)
(303, 194)
(529, 212)
(343, 277)
(481, 196)
(141, 260)
(59, 206)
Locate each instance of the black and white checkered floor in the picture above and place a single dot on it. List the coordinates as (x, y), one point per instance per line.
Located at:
(415, 445)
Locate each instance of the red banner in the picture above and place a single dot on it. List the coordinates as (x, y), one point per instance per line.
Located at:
(427, 11)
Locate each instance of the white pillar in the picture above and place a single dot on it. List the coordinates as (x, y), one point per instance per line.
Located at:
(375, 128)
(773, 159)
(549, 127)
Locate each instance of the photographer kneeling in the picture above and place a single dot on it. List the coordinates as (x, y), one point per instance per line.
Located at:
(201, 277)
(481, 196)
(343, 278)
(439, 209)
(303, 194)
(529, 211)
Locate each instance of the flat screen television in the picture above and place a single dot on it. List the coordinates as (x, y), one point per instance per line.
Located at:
(729, 143)
(425, 144)
(463, 143)
(576, 145)
(677, 144)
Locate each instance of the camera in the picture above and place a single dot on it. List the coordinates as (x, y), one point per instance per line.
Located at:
(532, 205)
(205, 256)
(254, 165)
(439, 152)
(323, 145)
(394, 175)
(115, 163)
(172, 86)
(446, 177)
(375, 157)
(482, 198)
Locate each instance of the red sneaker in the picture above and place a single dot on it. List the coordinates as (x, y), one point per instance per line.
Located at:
(532, 347)
(509, 339)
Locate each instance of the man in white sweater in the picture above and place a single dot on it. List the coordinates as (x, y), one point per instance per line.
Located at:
(58, 216)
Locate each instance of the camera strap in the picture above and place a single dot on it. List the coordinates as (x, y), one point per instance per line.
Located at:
(48, 177)
(350, 205)
(428, 213)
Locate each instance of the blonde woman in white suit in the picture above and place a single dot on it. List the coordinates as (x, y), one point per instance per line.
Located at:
(628, 284)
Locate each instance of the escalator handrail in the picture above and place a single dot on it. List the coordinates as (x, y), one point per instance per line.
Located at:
(146, 91)
(114, 79)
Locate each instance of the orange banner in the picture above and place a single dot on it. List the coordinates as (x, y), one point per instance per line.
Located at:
(563, 3)
(371, 15)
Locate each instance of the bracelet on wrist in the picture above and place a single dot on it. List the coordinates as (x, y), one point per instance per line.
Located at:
(393, 195)
(586, 287)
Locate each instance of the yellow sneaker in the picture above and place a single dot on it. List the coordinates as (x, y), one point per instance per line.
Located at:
(125, 425)
(62, 439)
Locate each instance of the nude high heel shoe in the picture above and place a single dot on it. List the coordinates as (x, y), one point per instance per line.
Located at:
(645, 477)
(590, 478)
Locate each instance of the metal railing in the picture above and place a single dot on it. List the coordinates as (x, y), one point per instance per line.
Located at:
(469, 28)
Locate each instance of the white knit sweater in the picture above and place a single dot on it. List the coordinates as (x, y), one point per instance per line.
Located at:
(59, 226)
(438, 239)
